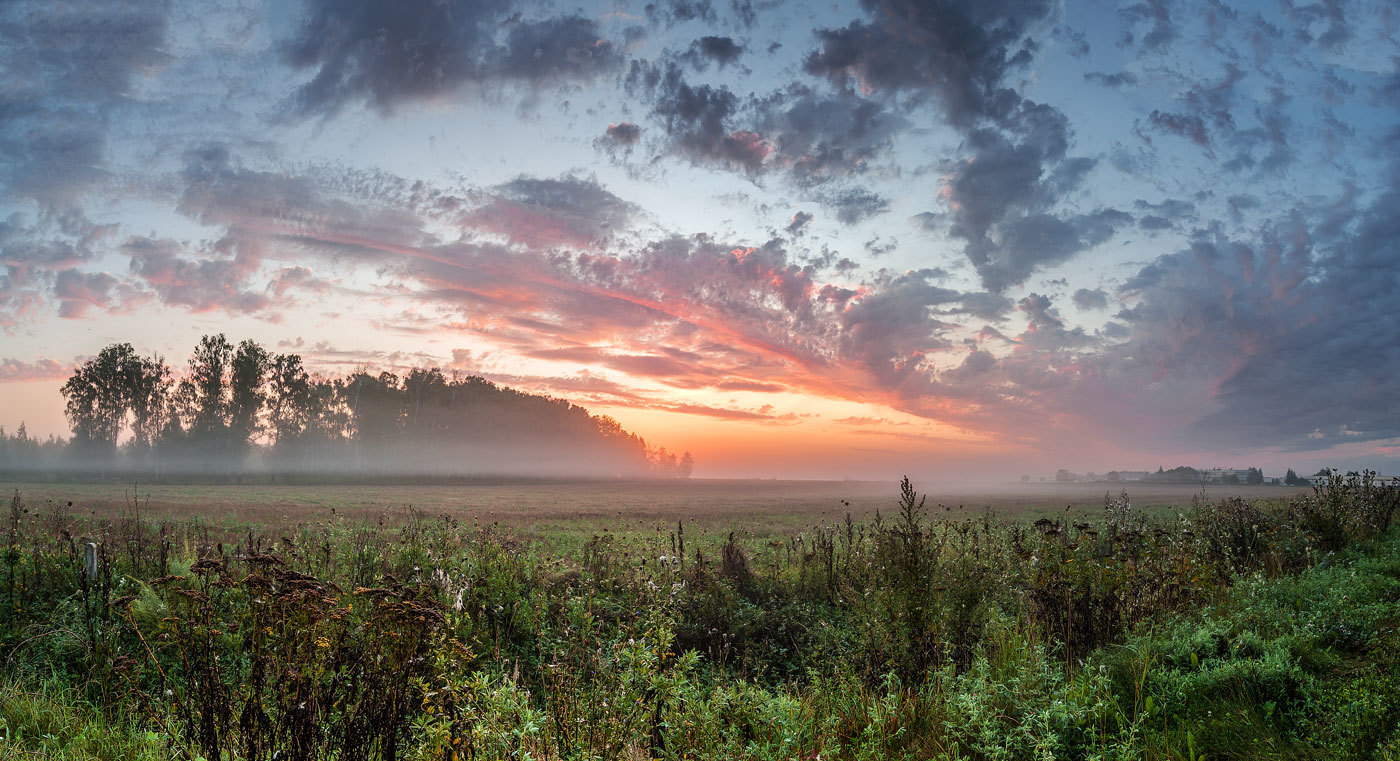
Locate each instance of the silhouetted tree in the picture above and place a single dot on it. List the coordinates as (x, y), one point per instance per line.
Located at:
(247, 395)
(105, 389)
(233, 399)
(289, 401)
(96, 401)
(148, 397)
(203, 394)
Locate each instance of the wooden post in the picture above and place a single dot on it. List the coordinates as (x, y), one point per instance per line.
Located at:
(90, 559)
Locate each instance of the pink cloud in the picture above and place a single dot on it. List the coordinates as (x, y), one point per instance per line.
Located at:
(16, 371)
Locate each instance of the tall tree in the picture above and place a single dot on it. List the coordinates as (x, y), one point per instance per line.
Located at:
(204, 393)
(97, 398)
(247, 371)
(147, 382)
(289, 400)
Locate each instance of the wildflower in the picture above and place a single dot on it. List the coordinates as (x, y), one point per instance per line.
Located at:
(322, 642)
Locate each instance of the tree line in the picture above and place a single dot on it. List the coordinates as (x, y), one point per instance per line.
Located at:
(239, 409)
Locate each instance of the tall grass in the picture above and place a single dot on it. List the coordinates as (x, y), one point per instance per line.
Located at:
(1232, 629)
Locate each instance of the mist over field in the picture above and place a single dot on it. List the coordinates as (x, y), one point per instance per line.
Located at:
(241, 412)
(692, 380)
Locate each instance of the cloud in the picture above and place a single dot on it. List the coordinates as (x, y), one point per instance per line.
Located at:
(699, 312)
(1117, 79)
(66, 65)
(1090, 299)
(295, 277)
(386, 54)
(555, 49)
(721, 51)
(672, 12)
(799, 222)
(1154, 14)
(548, 212)
(78, 291)
(959, 51)
(818, 138)
(202, 284)
(1001, 200)
(698, 119)
(854, 205)
(625, 133)
(794, 132)
(16, 371)
(1189, 126)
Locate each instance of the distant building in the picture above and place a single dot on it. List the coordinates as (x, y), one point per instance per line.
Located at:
(1215, 475)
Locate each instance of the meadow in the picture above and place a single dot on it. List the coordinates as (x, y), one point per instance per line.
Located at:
(222, 622)
(541, 509)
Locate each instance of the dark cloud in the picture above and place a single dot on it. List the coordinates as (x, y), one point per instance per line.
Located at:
(959, 51)
(744, 12)
(1002, 199)
(799, 221)
(819, 138)
(295, 278)
(66, 65)
(1165, 215)
(1189, 126)
(1087, 299)
(891, 330)
(1274, 336)
(386, 53)
(52, 161)
(554, 49)
(984, 306)
(721, 51)
(697, 119)
(1075, 41)
(1030, 242)
(1171, 208)
(1331, 15)
(1117, 79)
(854, 205)
(625, 133)
(807, 137)
(671, 12)
(1156, 16)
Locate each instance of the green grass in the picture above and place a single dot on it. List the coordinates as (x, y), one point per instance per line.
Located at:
(49, 721)
(1220, 630)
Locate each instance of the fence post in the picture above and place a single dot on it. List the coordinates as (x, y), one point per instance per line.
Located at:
(90, 559)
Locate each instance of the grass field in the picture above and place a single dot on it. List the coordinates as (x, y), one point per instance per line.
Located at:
(1169, 628)
(545, 508)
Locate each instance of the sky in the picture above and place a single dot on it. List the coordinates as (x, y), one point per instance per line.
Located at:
(850, 240)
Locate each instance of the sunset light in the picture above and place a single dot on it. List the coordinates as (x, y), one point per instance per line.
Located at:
(793, 240)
